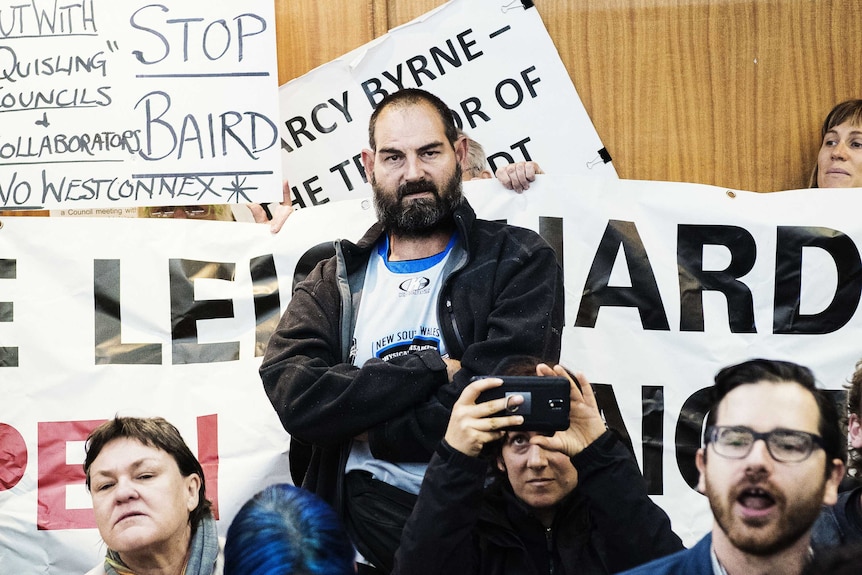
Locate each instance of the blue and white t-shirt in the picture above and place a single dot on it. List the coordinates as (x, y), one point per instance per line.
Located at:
(397, 315)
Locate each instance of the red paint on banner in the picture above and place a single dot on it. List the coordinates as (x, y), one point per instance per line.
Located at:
(208, 456)
(13, 457)
(55, 474)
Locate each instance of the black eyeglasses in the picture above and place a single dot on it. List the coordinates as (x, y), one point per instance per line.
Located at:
(785, 445)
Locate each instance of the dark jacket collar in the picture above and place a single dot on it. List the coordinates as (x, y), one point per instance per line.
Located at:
(504, 514)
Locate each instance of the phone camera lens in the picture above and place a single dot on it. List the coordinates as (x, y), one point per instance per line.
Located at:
(511, 408)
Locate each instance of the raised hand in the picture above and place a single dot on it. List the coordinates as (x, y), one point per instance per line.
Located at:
(585, 420)
(518, 176)
(279, 214)
(470, 426)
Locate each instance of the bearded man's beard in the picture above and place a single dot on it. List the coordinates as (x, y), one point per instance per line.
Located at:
(418, 217)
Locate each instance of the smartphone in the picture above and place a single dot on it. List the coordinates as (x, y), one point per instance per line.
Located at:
(546, 400)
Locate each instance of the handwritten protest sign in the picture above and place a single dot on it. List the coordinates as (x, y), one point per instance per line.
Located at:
(115, 104)
(492, 62)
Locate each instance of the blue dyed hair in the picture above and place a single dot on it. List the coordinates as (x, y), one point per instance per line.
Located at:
(287, 530)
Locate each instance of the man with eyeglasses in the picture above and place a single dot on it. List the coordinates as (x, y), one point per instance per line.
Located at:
(773, 455)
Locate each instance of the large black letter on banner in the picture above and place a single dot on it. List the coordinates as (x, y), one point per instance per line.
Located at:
(267, 302)
(551, 230)
(643, 294)
(186, 311)
(689, 430)
(606, 399)
(109, 348)
(652, 429)
(8, 355)
(693, 279)
(788, 280)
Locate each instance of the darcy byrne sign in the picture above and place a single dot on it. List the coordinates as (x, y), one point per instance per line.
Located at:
(134, 103)
(518, 102)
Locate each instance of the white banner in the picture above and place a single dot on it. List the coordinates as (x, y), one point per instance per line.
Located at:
(491, 61)
(665, 284)
(112, 104)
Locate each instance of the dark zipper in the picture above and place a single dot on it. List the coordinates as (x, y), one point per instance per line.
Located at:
(445, 291)
(458, 340)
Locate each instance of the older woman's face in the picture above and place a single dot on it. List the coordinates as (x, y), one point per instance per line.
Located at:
(839, 163)
(141, 500)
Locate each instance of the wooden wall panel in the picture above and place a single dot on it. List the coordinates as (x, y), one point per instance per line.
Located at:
(399, 12)
(310, 33)
(724, 92)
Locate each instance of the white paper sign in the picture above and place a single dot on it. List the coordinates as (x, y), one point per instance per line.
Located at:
(112, 104)
(494, 66)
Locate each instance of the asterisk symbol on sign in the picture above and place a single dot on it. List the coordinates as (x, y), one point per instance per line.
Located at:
(238, 188)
